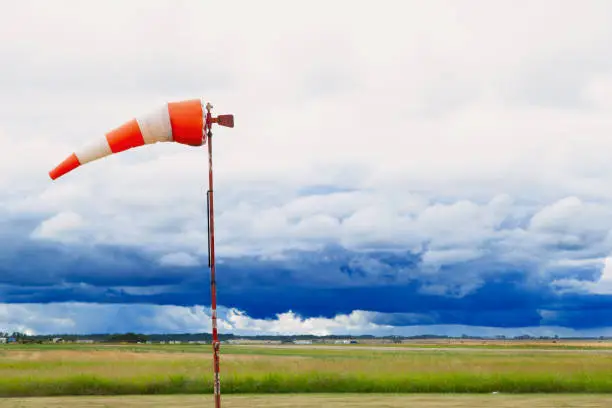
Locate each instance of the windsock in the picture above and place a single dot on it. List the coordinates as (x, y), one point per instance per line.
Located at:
(181, 122)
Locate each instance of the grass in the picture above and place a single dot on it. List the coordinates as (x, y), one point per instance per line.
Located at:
(53, 370)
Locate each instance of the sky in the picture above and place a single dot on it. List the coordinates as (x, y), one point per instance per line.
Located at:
(401, 168)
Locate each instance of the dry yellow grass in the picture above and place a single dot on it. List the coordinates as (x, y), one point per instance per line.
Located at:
(536, 343)
(128, 363)
(316, 401)
(116, 355)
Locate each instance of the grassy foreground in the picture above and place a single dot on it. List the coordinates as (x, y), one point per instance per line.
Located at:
(87, 370)
(317, 401)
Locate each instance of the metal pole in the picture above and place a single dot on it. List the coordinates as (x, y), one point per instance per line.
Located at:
(211, 249)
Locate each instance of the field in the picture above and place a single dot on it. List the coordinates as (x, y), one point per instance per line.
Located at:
(55, 370)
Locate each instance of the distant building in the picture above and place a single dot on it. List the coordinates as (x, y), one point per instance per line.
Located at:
(3, 340)
(302, 342)
(85, 341)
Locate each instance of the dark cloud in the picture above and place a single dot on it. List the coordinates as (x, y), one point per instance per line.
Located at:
(312, 284)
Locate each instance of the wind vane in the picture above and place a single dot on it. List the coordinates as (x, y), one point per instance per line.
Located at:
(186, 122)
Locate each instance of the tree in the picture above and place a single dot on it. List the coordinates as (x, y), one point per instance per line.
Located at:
(128, 338)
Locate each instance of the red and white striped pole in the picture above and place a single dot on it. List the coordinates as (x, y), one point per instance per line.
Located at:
(211, 262)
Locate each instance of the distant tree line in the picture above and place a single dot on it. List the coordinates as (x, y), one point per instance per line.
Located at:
(207, 337)
(15, 335)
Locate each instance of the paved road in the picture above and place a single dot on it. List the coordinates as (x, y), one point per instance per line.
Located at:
(317, 401)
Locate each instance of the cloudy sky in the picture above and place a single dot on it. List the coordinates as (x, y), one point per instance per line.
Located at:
(399, 167)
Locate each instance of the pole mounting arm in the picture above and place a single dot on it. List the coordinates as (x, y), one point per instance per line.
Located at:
(222, 120)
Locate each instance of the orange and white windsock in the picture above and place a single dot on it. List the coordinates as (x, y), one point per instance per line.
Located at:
(181, 122)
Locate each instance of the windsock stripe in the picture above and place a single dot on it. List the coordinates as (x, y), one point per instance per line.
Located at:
(69, 164)
(125, 137)
(94, 151)
(187, 122)
(155, 127)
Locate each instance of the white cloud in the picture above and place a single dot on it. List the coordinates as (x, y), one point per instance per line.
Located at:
(450, 256)
(290, 323)
(61, 227)
(601, 286)
(32, 319)
(84, 318)
(179, 259)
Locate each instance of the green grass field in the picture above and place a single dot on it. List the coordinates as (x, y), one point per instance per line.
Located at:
(52, 370)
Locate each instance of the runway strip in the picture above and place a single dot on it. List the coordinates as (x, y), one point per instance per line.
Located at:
(317, 401)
